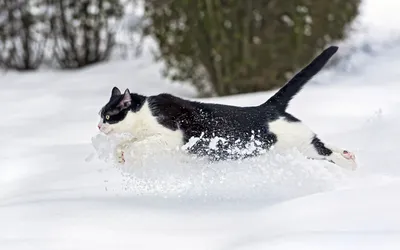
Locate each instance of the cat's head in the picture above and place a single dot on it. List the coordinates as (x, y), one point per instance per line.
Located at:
(115, 115)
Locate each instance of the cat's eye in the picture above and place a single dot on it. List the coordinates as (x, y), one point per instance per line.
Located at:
(107, 117)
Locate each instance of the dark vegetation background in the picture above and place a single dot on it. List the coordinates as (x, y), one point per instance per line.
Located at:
(222, 47)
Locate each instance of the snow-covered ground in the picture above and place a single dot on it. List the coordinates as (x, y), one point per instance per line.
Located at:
(55, 195)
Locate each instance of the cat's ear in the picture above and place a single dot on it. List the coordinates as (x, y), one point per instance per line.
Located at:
(115, 91)
(126, 101)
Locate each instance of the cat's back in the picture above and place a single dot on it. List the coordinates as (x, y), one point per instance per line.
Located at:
(187, 112)
(175, 105)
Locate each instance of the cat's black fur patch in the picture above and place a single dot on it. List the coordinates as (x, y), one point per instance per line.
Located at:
(320, 147)
(207, 120)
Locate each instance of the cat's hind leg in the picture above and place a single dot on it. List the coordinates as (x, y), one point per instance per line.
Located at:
(296, 134)
(338, 156)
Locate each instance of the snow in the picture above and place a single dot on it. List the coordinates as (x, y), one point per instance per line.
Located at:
(54, 194)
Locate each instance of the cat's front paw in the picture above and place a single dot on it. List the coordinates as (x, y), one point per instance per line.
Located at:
(120, 154)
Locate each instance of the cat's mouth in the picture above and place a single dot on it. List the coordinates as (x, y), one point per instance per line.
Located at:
(105, 130)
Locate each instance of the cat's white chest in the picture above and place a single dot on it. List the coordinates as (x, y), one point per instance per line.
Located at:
(144, 126)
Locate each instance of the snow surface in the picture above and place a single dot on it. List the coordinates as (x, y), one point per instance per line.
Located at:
(54, 194)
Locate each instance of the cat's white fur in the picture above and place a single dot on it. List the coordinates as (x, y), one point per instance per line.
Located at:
(294, 134)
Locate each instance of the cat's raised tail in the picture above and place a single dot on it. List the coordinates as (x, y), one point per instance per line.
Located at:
(282, 98)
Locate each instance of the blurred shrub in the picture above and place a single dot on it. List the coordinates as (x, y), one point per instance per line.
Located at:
(227, 47)
(82, 30)
(24, 30)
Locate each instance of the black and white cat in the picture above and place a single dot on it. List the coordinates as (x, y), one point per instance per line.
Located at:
(170, 121)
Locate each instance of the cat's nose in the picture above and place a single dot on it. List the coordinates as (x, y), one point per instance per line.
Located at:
(99, 126)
